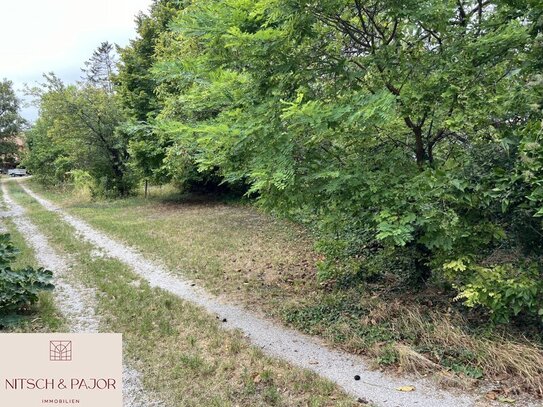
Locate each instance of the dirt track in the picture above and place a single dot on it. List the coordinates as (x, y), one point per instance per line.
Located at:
(286, 344)
(76, 302)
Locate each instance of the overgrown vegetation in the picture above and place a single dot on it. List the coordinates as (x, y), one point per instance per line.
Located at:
(406, 134)
(20, 288)
(78, 137)
(267, 264)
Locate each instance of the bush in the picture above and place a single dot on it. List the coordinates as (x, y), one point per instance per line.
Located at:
(19, 289)
(505, 290)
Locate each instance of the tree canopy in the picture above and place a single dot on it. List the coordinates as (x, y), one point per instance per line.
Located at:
(406, 134)
(11, 122)
(79, 135)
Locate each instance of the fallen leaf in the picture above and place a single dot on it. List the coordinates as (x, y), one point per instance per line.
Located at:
(257, 379)
(506, 400)
(491, 395)
(406, 388)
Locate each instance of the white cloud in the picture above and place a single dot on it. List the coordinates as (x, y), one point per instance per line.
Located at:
(38, 36)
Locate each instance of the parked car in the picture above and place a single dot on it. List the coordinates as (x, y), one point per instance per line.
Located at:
(17, 172)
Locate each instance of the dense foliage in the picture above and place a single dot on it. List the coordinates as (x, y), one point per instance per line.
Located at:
(19, 289)
(406, 133)
(79, 136)
(11, 123)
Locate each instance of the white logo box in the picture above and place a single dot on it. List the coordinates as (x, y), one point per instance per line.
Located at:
(38, 370)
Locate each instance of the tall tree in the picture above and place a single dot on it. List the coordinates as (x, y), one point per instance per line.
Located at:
(79, 129)
(101, 67)
(11, 123)
(135, 81)
(137, 87)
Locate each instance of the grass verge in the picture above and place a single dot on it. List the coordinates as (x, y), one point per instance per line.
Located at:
(269, 265)
(182, 352)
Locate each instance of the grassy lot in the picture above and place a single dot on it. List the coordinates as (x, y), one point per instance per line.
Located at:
(182, 351)
(269, 265)
(45, 317)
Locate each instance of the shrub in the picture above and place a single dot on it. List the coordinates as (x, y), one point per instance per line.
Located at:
(19, 289)
(82, 181)
(505, 290)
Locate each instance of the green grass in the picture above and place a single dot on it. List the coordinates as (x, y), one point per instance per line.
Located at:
(181, 350)
(268, 265)
(228, 248)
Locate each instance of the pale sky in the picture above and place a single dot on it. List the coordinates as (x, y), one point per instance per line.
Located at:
(38, 36)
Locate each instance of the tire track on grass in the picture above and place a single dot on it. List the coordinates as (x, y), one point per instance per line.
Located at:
(77, 303)
(296, 348)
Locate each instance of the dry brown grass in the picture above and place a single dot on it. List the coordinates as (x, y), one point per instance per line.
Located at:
(518, 364)
(269, 266)
(411, 361)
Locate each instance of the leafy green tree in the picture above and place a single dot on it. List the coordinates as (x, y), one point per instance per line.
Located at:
(135, 82)
(79, 129)
(11, 123)
(137, 86)
(390, 126)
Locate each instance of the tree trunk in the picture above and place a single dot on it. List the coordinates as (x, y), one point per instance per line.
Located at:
(422, 269)
(420, 152)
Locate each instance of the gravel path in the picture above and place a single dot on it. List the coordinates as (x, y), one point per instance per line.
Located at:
(76, 302)
(275, 340)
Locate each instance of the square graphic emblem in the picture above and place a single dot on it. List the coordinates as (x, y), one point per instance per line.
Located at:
(60, 351)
